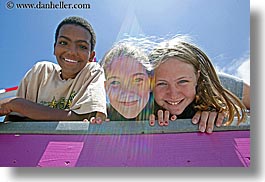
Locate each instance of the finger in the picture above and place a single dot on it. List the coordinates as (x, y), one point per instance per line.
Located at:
(196, 117)
(166, 118)
(4, 112)
(1, 112)
(160, 117)
(85, 120)
(173, 118)
(220, 119)
(92, 120)
(101, 115)
(107, 119)
(152, 120)
(99, 120)
(203, 121)
(211, 120)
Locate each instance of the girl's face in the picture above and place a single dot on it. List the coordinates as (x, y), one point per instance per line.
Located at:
(127, 86)
(73, 49)
(175, 85)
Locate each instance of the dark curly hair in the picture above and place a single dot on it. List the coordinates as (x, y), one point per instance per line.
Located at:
(74, 20)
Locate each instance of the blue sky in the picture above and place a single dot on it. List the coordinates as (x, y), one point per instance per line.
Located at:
(220, 28)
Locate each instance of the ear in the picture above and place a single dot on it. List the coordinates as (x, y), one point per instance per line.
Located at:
(92, 55)
(54, 48)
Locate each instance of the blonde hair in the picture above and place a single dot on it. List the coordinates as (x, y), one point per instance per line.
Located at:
(124, 49)
(210, 94)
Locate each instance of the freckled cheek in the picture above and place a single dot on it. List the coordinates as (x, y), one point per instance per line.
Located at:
(159, 94)
(189, 92)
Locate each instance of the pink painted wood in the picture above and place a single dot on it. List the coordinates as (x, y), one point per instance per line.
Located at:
(220, 149)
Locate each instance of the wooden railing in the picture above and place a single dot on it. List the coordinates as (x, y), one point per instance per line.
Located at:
(107, 128)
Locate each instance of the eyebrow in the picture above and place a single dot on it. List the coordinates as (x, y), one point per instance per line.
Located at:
(136, 74)
(139, 74)
(75, 41)
(113, 77)
(180, 78)
(184, 77)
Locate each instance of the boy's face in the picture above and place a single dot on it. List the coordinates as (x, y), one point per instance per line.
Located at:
(73, 49)
(127, 86)
(175, 85)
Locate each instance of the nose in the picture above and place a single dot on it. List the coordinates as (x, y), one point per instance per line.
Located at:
(126, 95)
(127, 87)
(72, 50)
(173, 92)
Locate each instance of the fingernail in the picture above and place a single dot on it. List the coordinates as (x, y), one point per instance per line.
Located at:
(202, 129)
(93, 120)
(173, 118)
(194, 121)
(161, 123)
(152, 123)
(209, 130)
(166, 123)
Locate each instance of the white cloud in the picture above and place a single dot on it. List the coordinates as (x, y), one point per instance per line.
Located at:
(238, 67)
(243, 71)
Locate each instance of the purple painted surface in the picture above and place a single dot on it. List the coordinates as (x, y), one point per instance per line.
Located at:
(243, 150)
(186, 149)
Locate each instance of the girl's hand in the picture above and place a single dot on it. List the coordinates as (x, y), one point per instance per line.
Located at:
(207, 119)
(163, 118)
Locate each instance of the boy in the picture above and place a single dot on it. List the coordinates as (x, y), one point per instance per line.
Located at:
(72, 90)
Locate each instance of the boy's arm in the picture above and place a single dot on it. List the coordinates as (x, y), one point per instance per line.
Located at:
(37, 111)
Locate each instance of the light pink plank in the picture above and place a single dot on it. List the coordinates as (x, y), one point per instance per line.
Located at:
(61, 154)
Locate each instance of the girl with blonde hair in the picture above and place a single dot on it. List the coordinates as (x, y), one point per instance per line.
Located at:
(185, 81)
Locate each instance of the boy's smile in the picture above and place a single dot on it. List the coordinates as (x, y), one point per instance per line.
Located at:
(73, 49)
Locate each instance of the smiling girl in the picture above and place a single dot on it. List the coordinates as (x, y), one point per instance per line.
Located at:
(185, 82)
(127, 82)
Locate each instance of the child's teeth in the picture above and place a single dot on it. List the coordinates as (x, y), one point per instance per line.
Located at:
(173, 103)
(69, 60)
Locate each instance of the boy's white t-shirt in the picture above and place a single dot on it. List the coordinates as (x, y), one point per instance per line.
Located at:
(83, 94)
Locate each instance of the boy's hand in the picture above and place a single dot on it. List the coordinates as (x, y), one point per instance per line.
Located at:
(5, 106)
(98, 119)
